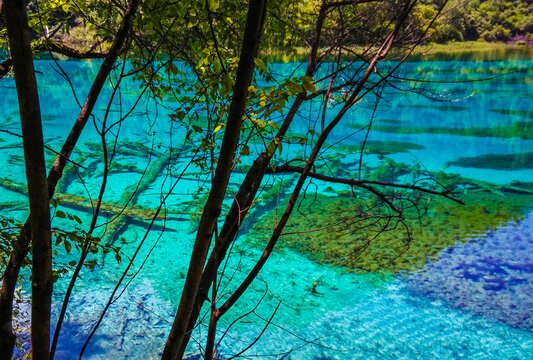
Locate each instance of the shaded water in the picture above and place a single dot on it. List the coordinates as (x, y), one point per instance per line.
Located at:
(470, 299)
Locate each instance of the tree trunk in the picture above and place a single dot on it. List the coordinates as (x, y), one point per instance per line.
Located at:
(248, 190)
(252, 275)
(32, 138)
(252, 34)
(22, 244)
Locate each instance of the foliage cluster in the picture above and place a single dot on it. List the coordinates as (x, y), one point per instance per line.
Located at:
(498, 20)
(463, 20)
(480, 20)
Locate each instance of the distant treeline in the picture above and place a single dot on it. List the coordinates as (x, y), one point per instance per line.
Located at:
(488, 20)
(509, 21)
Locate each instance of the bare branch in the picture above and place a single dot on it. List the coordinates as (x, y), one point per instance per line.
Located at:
(362, 183)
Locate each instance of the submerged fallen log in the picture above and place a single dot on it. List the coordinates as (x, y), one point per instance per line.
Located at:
(14, 186)
(83, 204)
(13, 205)
(127, 148)
(131, 193)
(497, 189)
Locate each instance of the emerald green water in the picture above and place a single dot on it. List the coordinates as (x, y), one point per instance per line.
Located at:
(472, 301)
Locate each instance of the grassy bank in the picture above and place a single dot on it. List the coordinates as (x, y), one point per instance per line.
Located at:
(463, 51)
(474, 51)
(466, 51)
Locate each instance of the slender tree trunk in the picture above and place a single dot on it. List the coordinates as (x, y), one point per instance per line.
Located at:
(22, 244)
(250, 186)
(237, 213)
(32, 138)
(116, 49)
(354, 96)
(248, 191)
(19, 252)
(252, 34)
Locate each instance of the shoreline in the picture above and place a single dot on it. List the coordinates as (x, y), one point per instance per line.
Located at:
(463, 50)
(474, 51)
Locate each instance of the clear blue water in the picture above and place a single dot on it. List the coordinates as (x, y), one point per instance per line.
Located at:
(472, 302)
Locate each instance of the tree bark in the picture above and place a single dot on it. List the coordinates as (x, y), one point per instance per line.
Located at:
(252, 182)
(354, 96)
(252, 34)
(248, 191)
(22, 244)
(32, 138)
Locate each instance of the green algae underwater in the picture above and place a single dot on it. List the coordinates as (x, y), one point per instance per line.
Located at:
(356, 235)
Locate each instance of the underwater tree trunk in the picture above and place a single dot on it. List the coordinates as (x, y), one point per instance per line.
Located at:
(252, 34)
(22, 244)
(32, 138)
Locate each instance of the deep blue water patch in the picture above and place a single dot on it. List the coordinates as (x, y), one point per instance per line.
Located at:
(491, 276)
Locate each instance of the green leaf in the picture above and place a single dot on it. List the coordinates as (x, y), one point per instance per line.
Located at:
(214, 5)
(260, 64)
(180, 115)
(245, 150)
(68, 246)
(271, 148)
(309, 87)
(293, 88)
(226, 85)
(197, 128)
(273, 124)
(61, 214)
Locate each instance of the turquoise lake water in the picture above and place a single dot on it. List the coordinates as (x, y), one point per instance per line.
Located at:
(472, 301)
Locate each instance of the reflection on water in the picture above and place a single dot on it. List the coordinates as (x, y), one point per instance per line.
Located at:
(468, 298)
(489, 54)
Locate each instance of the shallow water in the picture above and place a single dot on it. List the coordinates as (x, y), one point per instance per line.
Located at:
(473, 300)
